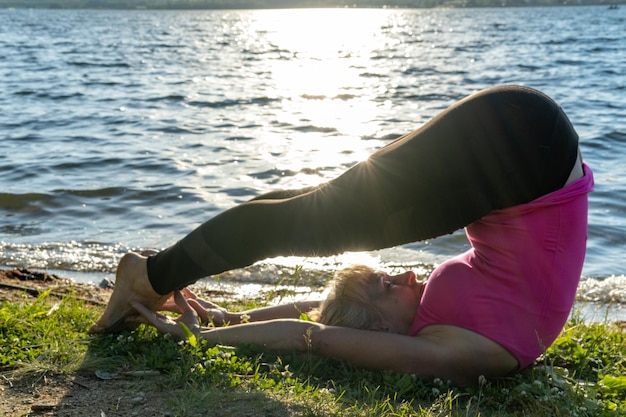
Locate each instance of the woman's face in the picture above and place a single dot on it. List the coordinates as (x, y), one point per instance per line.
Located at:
(397, 297)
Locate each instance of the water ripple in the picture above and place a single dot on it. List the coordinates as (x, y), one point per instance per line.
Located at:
(128, 129)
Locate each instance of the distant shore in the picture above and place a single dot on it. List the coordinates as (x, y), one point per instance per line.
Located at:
(280, 4)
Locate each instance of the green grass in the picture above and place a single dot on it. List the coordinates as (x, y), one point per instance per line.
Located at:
(582, 374)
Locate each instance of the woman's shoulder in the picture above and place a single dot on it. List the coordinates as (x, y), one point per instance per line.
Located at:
(473, 352)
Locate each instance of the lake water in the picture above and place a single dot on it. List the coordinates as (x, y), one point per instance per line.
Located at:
(126, 129)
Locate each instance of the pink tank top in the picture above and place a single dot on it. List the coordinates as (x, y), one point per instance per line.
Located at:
(517, 283)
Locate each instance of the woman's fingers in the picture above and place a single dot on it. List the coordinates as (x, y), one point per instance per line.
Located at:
(200, 310)
(165, 324)
(189, 316)
(150, 316)
(181, 302)
(200, 302)
(208, 304)
(188, 293)
(170, 305)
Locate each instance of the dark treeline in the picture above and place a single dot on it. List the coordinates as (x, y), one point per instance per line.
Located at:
(267, 4)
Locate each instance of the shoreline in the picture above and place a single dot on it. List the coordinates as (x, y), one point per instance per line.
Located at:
(16, 283)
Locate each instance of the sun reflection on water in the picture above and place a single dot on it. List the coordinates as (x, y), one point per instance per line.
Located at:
(322, 33)
(325, 53)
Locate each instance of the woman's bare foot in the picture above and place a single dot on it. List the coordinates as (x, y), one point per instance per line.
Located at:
(131, 284)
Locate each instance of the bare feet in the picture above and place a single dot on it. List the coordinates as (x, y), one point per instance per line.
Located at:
(131, 284)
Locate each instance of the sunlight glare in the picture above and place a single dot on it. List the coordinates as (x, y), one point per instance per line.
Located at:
(325, 52)
(322, 33)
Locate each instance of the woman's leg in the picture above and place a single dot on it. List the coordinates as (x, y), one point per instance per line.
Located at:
(495, 149)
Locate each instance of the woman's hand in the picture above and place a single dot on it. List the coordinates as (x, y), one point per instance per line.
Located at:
(209, 313)
(169, 325)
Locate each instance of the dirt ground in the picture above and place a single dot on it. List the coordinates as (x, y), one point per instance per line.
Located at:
(48, 394)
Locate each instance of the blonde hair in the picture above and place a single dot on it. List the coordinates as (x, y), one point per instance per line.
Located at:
(349, 302)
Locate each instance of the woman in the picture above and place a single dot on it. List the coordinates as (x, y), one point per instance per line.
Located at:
(503, 163)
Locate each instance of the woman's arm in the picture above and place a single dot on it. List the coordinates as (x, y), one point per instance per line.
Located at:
(211, 313)
(442, 351)
(446, 352)
(283, 311)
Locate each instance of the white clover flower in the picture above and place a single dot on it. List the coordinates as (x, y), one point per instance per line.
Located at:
(223, 355)
(435, 391)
